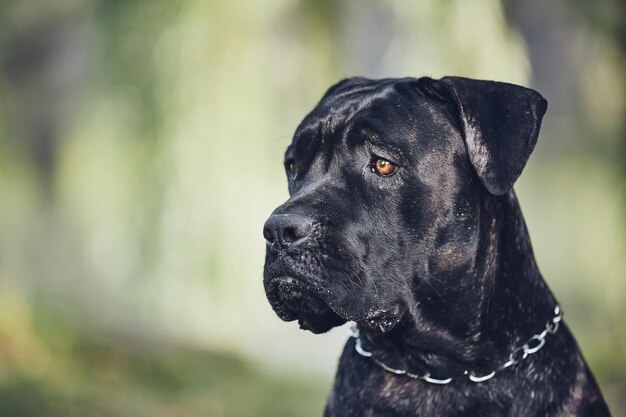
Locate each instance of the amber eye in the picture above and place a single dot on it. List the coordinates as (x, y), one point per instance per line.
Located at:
(290, 166)
(384, 167)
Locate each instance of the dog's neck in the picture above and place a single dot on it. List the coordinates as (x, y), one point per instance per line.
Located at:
(478, 327)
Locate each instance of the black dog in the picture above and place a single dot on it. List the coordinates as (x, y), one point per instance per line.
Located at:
(402, 218)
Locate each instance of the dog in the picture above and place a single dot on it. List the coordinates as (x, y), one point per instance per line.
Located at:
(402, 219)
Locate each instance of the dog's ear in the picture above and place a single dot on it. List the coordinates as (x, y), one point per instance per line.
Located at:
(500, 123)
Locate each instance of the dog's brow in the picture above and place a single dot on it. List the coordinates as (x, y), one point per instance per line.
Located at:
(357, 136)
(289, 152)
(367, 135)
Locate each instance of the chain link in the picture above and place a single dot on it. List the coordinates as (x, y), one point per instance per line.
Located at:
(532, 345)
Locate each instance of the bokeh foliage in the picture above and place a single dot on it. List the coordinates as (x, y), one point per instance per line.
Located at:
(140, 152)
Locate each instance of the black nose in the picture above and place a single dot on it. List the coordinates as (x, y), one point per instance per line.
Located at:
(286, 229)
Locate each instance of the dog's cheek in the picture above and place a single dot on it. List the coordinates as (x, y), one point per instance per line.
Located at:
(455, 249)
(457, 238)
(415, 215)
(368, 269)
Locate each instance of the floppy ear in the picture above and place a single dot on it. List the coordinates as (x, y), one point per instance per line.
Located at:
(500, 123)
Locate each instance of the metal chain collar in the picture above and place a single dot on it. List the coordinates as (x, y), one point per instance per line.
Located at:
(531, 346)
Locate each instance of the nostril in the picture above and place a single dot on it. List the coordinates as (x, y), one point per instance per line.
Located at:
(283, 229)
(289, 235)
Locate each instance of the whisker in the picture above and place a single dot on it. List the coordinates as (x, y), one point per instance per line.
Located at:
(343, 284)
(368, 276)
(350, 279)
(426, 279)
(358, 277)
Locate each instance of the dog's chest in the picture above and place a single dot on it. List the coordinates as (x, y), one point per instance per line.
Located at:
(388, 395)
(363, 389)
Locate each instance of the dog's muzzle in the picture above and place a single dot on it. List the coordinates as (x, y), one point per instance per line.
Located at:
(292, 299)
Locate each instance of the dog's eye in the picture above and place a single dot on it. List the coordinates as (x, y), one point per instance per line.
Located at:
(383, 167)
(290, 167)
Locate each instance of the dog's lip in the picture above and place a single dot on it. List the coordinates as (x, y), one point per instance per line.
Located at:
(294, 299)
(296, 295)
(282, 286)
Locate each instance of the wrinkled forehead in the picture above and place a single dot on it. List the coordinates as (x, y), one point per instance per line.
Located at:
(388, 113)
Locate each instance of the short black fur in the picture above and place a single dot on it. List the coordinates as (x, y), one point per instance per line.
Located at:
(434, 262)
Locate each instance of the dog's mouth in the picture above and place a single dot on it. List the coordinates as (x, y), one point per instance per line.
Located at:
(292, 300)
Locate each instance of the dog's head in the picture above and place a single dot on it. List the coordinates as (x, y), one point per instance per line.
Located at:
(386, 179)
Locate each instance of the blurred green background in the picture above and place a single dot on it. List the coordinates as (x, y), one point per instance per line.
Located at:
(141, 151)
